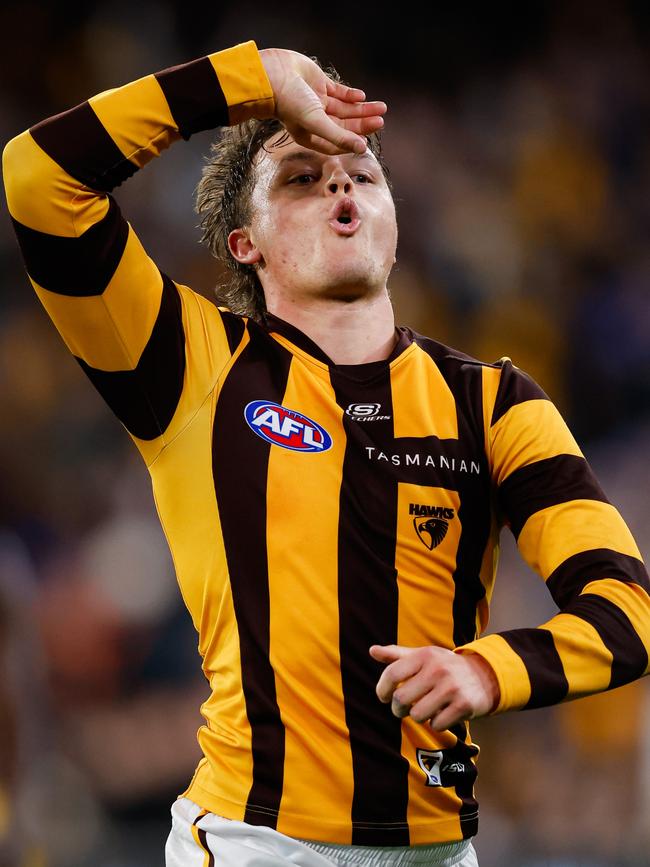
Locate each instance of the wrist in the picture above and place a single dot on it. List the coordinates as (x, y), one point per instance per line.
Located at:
(488, 681)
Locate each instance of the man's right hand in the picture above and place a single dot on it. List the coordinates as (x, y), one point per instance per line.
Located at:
(317, 112)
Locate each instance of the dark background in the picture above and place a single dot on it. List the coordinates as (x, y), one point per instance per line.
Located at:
(519, 146)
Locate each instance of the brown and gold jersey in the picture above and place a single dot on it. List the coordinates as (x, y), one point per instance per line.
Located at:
(315, 509)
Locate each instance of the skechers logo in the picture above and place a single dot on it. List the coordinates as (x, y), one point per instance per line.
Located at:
(365, 412)
(431, 523)
(285, 427)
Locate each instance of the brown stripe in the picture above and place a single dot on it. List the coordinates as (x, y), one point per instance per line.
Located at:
(75, 266)
(368, 612)
(203, 838)
(463, 375)
(240, 461)
(515, 387)
(275, 325)
(235, 327)
(629, 656)
(536, 647)
(546, 483)
(145, 398)
(463, 783)
(569, 579)
(194, 96)
(78, 142)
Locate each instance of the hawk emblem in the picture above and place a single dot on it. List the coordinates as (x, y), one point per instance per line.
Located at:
(431, 531)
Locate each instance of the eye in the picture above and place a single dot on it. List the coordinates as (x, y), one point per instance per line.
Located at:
(302, 180)
(361, 179)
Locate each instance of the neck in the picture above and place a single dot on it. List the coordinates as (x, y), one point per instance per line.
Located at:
(349, 332)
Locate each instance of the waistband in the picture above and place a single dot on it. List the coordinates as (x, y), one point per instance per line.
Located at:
(440, 854)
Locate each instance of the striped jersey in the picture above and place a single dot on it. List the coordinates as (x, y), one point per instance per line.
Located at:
(314, 509)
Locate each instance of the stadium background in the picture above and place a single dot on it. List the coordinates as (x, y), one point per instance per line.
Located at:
(520, 152)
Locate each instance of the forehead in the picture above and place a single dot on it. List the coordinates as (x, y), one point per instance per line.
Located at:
(282, 151)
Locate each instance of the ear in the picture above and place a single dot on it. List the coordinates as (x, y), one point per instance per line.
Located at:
(242, 248)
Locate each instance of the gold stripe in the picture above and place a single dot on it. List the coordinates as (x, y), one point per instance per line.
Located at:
(630, 598)
(303, 587)
(574, 638)
(487, 574)
(435, 416)
(491, 377)
(244, 82)
(528, 432)
(317, 367)
(423, 572)
(509, 668)
(137, 118)
(183, 487)
(552, 535)
(438, 805)
(421, 575)
(197, 839)
(110, 331)
(41, 196)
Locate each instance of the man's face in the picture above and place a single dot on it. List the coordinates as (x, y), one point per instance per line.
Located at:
(324, 226)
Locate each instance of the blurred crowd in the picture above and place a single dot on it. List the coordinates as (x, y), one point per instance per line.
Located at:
(520, 156)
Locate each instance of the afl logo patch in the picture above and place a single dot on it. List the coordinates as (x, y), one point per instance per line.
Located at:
(285, 427)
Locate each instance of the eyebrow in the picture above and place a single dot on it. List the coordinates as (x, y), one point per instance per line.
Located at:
(302, 156)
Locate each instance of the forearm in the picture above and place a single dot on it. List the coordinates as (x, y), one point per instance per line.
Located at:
(51, 169)
(600, 640)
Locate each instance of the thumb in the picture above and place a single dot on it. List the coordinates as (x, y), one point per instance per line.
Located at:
(389, 652)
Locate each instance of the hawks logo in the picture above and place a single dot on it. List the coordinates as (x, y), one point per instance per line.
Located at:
(431, 523)
(285, 427)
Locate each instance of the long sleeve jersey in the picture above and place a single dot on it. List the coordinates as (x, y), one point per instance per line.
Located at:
(314, 509)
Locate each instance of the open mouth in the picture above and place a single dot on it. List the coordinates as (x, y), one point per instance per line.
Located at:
(344, 217)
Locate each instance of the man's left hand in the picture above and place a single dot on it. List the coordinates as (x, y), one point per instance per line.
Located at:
(435, 684)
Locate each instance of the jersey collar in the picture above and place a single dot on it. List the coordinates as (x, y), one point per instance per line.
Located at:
(274, 325)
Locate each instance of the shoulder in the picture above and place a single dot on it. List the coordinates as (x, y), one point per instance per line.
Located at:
(447, 356)
(501, 383)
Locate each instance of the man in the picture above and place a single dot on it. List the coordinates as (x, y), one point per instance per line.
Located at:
(332, 488)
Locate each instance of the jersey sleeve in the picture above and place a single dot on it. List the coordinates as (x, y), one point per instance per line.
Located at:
(131, 328)
(571, 535)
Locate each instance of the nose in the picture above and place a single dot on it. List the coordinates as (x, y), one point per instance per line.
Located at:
(339, 181)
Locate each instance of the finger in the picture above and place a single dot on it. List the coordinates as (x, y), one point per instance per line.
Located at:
(318, 125)
(363, 125)
(428, 707)
(341, 109)
(447, 717)
(414, 689)
(389, 652)
(344, 91)
(442, 707)
(398, 709)
(394, 674)
(314, 142)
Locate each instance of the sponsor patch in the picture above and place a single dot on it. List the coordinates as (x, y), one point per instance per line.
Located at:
(447, 767)
(286, 427)
(430, 761)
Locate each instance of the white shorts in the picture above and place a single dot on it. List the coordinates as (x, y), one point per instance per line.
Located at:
(200, 839)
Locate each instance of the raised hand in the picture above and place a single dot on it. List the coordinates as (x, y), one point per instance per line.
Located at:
(436, 684)
(316, 111)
